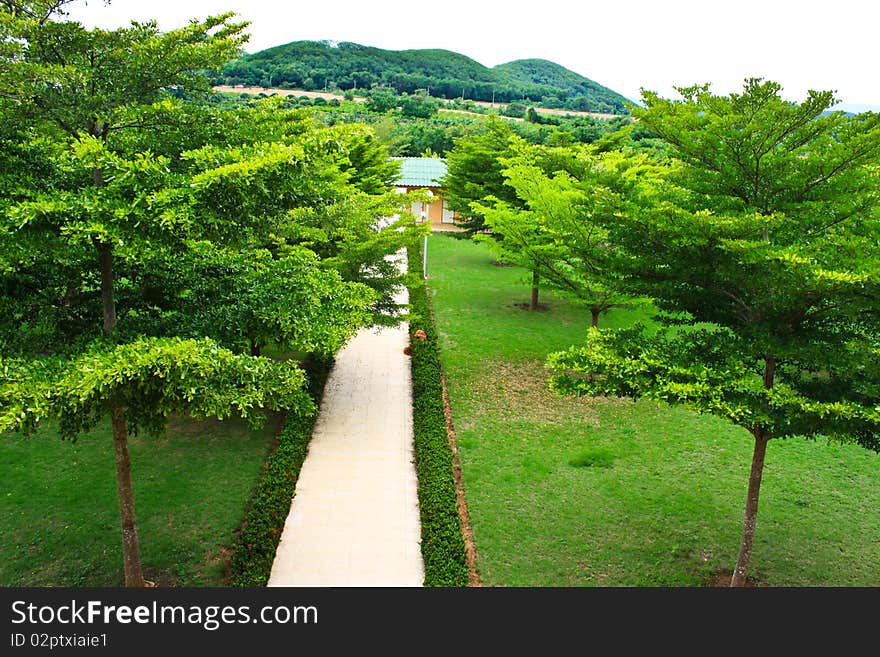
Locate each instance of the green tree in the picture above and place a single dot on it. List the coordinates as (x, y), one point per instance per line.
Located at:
(418, 106)
(308, 193)
(516, 110)
(76, 221)
(86, 83)
(475, 175)
(367, 161)
(81, 87)
(759, 250)
(382, 100)
(424, 135)
(250, 299)
(475, 172)
(557, 232)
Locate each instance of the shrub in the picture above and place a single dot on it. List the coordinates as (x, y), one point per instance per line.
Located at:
(516, 110)
(420, 107)
(443, 549)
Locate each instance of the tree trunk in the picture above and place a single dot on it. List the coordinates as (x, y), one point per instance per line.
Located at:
(105, 256)
(533, 304)
(595, 312)
(105, 253)
(131, 553)
(769, 372)
(751, 515)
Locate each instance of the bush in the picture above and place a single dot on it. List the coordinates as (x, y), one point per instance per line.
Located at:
(443, 549)
(515, 110)
(381, 100)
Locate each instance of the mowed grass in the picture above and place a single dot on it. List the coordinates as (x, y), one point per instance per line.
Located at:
(59, 510)
(607, 492)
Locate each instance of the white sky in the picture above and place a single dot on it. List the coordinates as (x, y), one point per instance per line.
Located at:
(624, 45)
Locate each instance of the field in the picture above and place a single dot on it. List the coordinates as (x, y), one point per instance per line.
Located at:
(607, 492)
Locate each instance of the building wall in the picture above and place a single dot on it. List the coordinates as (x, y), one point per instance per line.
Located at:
(433, 211)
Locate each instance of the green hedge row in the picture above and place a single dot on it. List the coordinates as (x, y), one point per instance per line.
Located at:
(253, 551)
(443, 548)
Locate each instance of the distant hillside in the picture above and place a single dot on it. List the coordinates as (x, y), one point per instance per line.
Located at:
(320, 65)
(548, 74)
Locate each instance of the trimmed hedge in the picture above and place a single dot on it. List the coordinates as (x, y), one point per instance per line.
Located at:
(254, 549)
(443, 548)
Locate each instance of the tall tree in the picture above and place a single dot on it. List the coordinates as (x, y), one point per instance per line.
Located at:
(475, 172)
(475, 175)
(83, 86)
(760, 251)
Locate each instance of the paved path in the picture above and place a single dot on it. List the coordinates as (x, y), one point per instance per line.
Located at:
(354, 520)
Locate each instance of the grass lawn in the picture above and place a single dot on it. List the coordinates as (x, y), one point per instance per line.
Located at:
(607, 492)
(60, 517)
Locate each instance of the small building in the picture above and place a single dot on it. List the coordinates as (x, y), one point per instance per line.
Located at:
(426, 173)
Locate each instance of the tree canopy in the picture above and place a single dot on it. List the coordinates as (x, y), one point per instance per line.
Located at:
(475, 172)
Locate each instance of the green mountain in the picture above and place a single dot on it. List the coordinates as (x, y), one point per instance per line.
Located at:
(319, 65)
(548, 74)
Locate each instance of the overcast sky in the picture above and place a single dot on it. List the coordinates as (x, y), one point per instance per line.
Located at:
(628, 45)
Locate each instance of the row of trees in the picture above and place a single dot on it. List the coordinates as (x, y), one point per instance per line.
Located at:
(754, 232)
(154, 244)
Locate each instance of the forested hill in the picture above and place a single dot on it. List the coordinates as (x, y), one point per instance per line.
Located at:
(548, 74)
(319, 65)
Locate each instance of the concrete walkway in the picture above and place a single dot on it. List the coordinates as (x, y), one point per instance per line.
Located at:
(354, 520)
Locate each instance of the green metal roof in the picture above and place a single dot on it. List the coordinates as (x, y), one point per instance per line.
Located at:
(420, 171)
